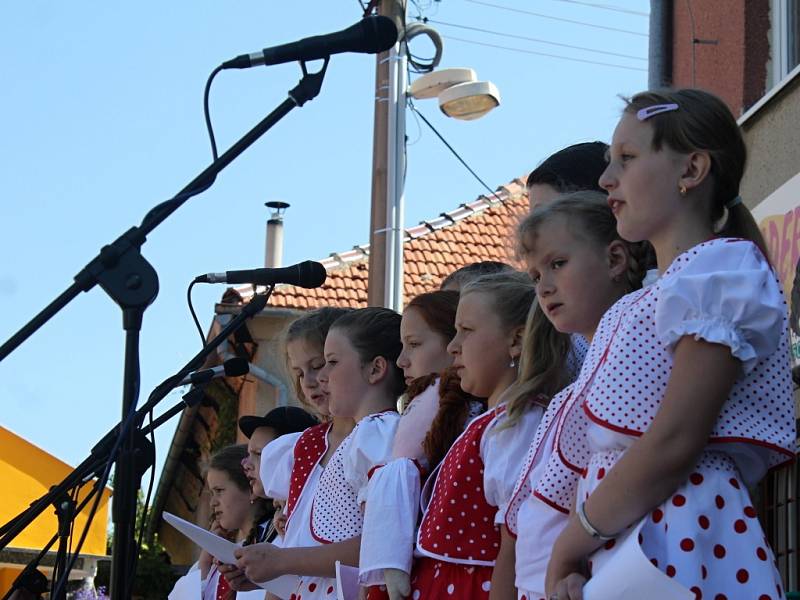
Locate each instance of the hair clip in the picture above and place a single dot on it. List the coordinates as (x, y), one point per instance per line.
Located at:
(650, 111)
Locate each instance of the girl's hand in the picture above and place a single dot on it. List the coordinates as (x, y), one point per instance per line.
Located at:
(260, 562)
(566, 572)
(398, 583)
(569, 588)
(279, 518)
(206, 560)
(236, 578)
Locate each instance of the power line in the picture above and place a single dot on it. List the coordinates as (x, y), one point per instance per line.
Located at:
(610, 7)
(532, 39)
(535, 14)
(449, 147)
(580, 60)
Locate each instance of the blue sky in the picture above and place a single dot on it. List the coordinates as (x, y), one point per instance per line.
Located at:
(101, 118)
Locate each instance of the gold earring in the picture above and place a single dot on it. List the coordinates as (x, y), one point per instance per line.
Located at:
(682, 190)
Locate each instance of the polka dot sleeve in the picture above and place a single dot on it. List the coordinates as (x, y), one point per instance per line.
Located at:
(725, 293)
(277, 460)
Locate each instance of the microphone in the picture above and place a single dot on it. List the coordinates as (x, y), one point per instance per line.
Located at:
(370, 35)
(307, 274)
(233, 367)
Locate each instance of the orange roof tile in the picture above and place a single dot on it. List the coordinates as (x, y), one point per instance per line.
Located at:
(476, 231)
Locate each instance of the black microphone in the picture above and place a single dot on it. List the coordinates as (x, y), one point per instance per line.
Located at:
(233, 367)
(370, 35)
(307, 274)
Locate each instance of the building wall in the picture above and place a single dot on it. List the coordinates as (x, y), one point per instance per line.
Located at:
(733, 64)
(773, 145)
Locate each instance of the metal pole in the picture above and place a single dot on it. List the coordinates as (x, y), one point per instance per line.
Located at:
(378, 257)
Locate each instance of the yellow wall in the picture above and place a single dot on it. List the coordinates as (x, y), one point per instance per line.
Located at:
(26, 473)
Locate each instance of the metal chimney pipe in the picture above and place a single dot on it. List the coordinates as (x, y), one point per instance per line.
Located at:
(274, 239)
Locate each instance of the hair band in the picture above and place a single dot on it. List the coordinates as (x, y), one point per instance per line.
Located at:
(656, 109)
(735, 202)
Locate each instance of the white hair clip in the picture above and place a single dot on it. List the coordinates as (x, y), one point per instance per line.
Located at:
(651, 111)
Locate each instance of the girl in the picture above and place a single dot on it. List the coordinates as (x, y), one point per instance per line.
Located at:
(363, 383)
(687, 401)
(291, 466)
(235, 516)
(459, 538)
(436, 415)
(581, 267)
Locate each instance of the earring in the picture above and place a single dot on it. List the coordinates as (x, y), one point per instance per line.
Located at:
(682, 190)
(513, 363)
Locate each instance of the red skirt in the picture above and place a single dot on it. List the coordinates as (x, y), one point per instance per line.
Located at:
(433, 579)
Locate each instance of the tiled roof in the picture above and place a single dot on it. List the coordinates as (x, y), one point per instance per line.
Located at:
(476, 231)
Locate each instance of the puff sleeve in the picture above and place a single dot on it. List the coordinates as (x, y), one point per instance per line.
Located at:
(723, 293)
(503, 451)
(370, 445)
(277, 460)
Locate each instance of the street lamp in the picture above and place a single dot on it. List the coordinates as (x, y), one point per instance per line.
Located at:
(461, 96)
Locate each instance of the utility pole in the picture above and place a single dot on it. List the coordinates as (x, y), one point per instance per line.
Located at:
(380, 218)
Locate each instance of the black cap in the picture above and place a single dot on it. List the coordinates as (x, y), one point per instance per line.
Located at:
(284, 419)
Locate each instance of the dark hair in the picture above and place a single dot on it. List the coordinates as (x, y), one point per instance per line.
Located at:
(460, 277)
(228, 460)
(543, 364)
(438, 310)
(375, 332)
(703, 122)
(312, 328)
(576, 167)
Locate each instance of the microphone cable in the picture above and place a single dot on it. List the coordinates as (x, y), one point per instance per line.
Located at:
(194, 314)
(207, 112)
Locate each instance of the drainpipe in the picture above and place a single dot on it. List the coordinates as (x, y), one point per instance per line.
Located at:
(660, 46)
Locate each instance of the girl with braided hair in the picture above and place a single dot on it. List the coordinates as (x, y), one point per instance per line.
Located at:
(580, 266)
(436, 412)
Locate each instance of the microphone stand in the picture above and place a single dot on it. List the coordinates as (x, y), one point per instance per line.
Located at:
(132, 282)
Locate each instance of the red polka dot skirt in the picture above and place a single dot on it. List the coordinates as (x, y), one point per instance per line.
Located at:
(706, 535)
(438, 580)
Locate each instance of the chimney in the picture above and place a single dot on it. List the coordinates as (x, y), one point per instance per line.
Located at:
(274, 243)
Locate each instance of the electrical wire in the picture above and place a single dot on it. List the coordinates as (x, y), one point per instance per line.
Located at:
(452, 150)
(207, 113)
(610, 7)
(532, 39)
(194, 314)
(544, 16)
(580, 60)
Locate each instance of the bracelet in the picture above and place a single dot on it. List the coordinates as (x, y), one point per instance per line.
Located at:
(588, 527)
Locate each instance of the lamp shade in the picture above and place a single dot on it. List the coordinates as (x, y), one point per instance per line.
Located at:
(468, 101)
(432, 84)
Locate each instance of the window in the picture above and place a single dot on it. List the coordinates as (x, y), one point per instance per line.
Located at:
(785, 16)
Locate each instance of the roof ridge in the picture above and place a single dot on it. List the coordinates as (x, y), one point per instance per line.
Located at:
(340, 260)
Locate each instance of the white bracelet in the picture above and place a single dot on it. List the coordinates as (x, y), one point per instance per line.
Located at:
(588, 527)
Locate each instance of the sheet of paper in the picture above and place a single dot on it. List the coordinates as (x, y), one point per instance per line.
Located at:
(218, 547)
(628, 575)
(346, 582)
(282, 587)
(222, 550)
